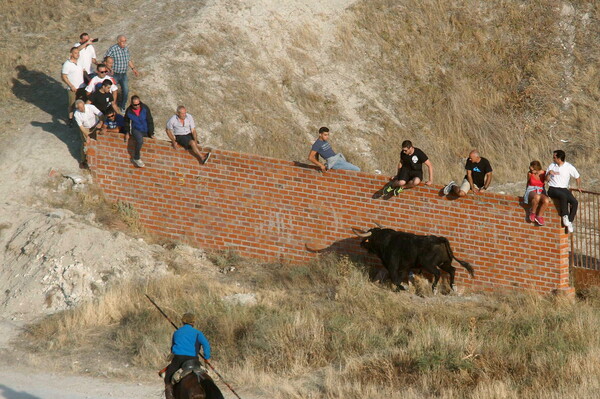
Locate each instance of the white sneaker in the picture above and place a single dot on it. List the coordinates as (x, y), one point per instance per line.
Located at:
(448, 188)
(570, 228)
(138, 162)
(566, 221)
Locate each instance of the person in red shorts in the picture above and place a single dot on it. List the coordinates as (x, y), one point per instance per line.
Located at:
(535, 194)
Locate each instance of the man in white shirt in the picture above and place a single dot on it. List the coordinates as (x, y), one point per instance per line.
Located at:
(72, 76)
(87, 53)
(101, 76)
(181, 130)
(89, 119)
(558, 175)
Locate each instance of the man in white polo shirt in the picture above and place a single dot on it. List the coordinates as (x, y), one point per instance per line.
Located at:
(89, 119)
(87, 53)
(181, 129)
(558, 175)
(101, 76)
(72, 75)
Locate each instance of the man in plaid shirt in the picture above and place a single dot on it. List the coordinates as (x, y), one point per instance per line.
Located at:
(120, 53)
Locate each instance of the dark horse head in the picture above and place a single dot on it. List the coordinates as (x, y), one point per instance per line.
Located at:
(195, 387)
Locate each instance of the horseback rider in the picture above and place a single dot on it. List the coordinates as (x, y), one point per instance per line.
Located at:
(185, 346)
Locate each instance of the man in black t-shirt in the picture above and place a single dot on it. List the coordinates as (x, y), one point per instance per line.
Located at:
(102, 98)
(478, 177)
(410, 169)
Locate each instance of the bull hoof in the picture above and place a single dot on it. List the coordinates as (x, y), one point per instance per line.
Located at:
(434, 290)
(401, 288)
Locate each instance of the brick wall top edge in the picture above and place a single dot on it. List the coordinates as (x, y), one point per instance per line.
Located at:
(109, 139)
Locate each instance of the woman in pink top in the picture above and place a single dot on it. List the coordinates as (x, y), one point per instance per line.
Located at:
(535, 193)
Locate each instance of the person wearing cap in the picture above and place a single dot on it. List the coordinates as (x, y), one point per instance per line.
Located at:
(186, 343)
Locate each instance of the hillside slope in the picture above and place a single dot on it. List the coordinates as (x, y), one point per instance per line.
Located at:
(507, 77)
(510, 77)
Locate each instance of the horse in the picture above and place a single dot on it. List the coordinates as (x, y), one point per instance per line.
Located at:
(194, 386)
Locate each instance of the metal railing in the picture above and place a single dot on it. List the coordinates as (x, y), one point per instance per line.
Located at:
(585, 240)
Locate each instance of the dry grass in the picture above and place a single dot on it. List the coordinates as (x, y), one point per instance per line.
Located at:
(475, 74)
(89, 199)
(450, 75)
(322, 330)
(35, 25)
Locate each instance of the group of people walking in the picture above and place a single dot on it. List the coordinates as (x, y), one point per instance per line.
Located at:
(97, 102)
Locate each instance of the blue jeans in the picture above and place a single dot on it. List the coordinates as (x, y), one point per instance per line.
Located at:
(339, 162)
(121, 79)
(139, 141)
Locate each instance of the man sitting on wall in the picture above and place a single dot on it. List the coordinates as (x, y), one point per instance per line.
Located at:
(477, 179)
(181, 129)
(323, 148)
(114, 122)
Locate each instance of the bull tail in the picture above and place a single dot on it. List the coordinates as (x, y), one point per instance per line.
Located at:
(464, 264)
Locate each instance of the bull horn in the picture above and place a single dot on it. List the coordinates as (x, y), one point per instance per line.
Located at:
(378, 225)
(312, 248)
(361, 233)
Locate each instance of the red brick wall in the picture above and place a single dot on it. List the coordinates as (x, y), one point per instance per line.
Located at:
(271, 209)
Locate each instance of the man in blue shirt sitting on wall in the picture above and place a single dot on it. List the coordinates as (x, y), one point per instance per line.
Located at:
(323, 148)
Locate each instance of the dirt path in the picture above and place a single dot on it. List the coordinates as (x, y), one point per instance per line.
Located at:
(25, 384)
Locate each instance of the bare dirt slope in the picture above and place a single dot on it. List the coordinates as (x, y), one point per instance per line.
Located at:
(51, 258)
(231, 62)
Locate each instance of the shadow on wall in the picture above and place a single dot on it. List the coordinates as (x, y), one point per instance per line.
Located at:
(6, 392)
(349, 247)
(49, 95)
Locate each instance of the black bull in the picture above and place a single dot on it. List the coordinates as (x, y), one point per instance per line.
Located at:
(399, 252)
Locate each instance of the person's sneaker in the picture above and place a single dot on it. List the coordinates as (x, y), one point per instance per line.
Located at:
(388, 188)
(566, 221)
(138, 162)
(539, 220)
(71, 122)
(448, 188)
(570, 228)
(532, 217)
(122, 111)
(205, 160)
(398, 190)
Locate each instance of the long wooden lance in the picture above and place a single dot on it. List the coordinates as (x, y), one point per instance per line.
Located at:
(199, 354)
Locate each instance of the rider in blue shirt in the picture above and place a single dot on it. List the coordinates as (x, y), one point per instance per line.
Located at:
(186, 344)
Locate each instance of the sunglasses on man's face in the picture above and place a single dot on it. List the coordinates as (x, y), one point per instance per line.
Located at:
(135, 105)
(102, 71)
